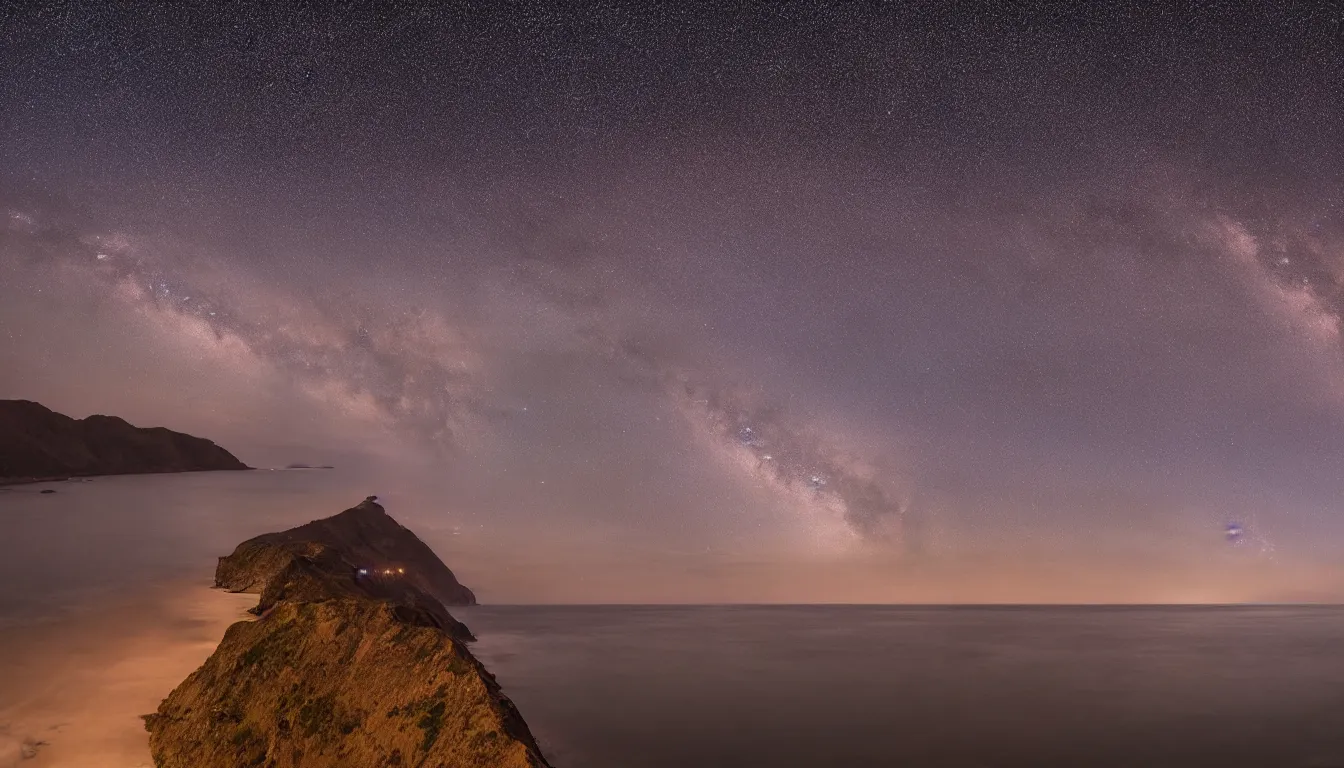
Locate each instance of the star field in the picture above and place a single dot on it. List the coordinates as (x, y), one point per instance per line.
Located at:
(909, 301)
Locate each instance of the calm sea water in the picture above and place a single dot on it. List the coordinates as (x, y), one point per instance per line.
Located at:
(876, 686)
(92, 539)
(632, 687)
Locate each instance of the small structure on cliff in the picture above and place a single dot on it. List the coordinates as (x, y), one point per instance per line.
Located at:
(366, 537)
(341, 670)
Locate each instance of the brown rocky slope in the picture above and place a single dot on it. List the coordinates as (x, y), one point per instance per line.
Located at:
(365, 535)
(38, 443)
(342, 668)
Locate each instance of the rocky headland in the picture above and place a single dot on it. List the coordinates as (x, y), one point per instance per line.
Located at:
(36, 443)
(354, 660)
(364, 536)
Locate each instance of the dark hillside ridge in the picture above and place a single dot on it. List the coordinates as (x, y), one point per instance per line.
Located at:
(37, 443)
(365, 536)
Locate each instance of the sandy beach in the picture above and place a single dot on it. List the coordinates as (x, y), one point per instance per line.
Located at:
(73, 688)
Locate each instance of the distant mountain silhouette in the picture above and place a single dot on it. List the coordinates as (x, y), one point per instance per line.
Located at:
(38, 443)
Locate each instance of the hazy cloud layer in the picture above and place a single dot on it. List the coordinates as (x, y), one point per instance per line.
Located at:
(840, 282)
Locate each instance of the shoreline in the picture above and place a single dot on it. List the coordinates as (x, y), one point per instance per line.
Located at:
(76, 685)
(8, 482)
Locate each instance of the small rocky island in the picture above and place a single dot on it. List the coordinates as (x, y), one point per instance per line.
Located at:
(354, 661)
(36, 443)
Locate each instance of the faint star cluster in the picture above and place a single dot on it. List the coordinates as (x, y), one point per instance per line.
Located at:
(949, 286)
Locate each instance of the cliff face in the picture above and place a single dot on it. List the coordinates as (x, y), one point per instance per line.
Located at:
(343, 682)
(343, 668)
(364, 536)
(36, 442)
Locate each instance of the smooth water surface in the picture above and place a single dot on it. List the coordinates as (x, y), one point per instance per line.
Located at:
(646, 687)
(104, 605)
(112, 535)
(105, 602)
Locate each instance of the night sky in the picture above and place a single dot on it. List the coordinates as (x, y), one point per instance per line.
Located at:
(851, 303)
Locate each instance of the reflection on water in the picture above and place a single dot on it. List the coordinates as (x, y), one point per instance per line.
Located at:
(858, 685)
(103, 609)
(105, 603)
(72, 689)
(91, 539)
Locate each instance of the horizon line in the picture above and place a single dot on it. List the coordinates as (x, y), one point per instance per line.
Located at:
(1248, 604)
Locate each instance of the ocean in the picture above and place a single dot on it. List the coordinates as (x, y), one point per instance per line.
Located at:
(808, 686)
(104, 607)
